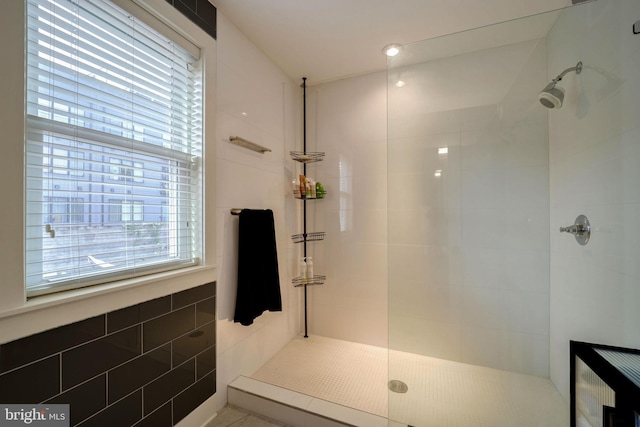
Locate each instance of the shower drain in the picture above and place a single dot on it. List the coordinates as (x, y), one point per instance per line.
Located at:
(398, 386)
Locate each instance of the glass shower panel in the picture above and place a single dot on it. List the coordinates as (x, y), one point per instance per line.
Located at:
(468, 214)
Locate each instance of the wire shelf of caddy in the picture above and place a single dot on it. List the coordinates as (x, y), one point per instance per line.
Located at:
(315, 280)
(308, 237)
(305, 196)
(306, 157)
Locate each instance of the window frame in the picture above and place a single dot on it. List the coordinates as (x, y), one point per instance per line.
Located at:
(140, 179)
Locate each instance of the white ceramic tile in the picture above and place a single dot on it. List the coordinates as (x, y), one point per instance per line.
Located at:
(412, 122)
(267, 408)
(407, 263)
(332, 321)
(344, 414)
(371, 158)
(485, 228)
(429, 226)
(528, 145)
(414, 155)
(483, 189)
(431, 301)
(528, 312)
(370, 192)
(527, 228)
(527, 186)
(282, 395)
(284, 405)
(485, 308)
(370, 225)
(425, 337)
(485, 346)
(440, 392)
(372, 325)
(529, 354)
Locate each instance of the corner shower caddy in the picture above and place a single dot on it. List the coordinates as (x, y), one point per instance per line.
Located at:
(305, 157)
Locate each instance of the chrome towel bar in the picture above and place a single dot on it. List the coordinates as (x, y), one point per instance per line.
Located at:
(248, 144)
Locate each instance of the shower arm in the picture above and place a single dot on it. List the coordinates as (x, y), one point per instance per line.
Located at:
(577, 69)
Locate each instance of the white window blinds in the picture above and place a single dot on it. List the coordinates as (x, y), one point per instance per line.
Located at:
(113, 147)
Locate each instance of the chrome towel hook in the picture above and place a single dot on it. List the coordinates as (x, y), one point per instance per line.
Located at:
(581, 229)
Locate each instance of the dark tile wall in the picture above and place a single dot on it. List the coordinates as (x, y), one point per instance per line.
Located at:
(150, 364)
(200, 12)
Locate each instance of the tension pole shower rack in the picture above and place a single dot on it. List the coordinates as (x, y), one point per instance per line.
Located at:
(305, 157)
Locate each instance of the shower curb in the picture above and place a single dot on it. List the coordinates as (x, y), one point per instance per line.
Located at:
(297, 409)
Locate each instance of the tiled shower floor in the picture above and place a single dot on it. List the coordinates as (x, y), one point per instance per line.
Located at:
(441, 393)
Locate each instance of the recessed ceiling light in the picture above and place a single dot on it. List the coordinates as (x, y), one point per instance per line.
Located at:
(399, 83)
(392, 49)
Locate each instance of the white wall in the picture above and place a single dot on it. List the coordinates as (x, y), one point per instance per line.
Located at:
(594, 158)
(347, 121)
(256, 101)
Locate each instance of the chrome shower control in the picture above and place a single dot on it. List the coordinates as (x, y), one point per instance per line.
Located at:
(581, 229)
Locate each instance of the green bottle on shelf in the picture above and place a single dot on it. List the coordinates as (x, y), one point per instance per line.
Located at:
(319, 190)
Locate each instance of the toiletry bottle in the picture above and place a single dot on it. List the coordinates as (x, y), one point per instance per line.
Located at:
(310, 269)
(302, 190)
(303, 271)
(313, 189)
(308, 188)
(319, 190)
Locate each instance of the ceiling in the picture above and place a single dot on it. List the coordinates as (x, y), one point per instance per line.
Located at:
(326, 40)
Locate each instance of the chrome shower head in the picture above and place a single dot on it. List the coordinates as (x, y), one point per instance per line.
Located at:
(553, 95)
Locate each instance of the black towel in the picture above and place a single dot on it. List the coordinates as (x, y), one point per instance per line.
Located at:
(258, 278)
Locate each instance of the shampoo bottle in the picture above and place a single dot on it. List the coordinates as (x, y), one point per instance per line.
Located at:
(310, 269)
(303, 271)
(303, 181)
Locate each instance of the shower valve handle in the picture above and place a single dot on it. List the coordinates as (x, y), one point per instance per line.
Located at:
(574, 229)
(581, 229)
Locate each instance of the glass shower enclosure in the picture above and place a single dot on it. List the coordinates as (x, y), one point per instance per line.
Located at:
(481, 175)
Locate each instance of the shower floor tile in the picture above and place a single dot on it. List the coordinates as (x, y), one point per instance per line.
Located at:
(440, 392)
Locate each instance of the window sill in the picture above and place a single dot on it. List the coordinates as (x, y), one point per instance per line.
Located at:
(131, 291)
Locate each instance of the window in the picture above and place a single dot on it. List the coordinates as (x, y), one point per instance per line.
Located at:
(64, 210)
(126, 210)
(113, 146)
(64, 162)
(126, 170)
